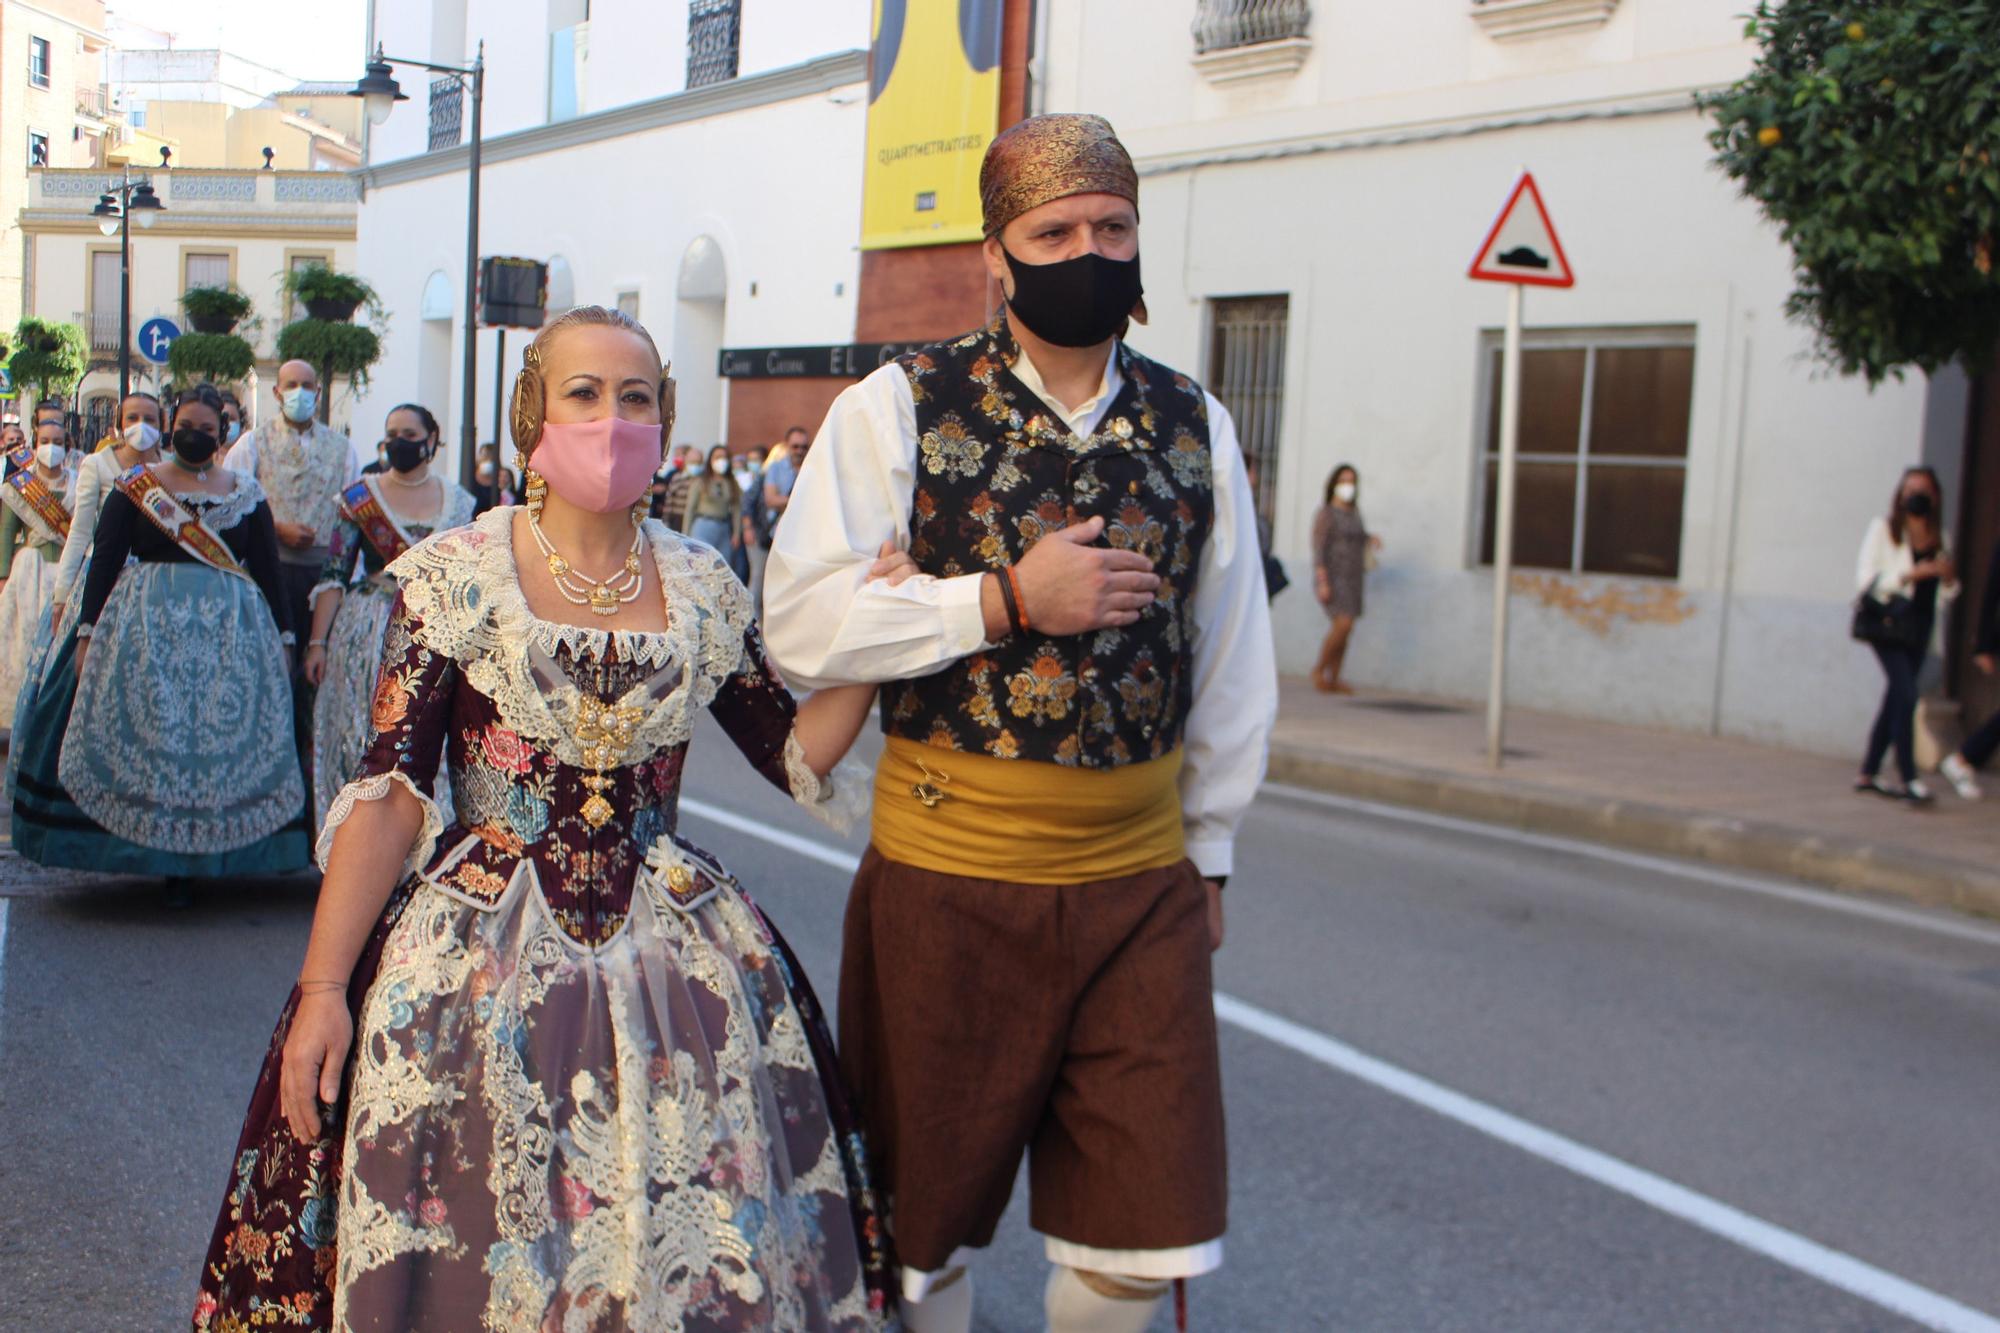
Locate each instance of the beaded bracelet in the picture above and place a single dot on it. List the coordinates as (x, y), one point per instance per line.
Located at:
(1007, 600)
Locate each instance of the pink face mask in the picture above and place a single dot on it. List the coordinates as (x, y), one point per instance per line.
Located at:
(602, 466)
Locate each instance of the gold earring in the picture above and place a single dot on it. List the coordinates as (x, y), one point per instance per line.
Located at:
(537, 491)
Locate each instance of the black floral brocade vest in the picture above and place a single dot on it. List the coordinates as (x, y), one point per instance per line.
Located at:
(996, 470)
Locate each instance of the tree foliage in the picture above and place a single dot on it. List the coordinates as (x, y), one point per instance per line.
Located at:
(1868, 132)
(220, 358)
(335, 348)
(50, 355)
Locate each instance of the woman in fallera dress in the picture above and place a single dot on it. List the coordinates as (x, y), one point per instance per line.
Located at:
(41, 711)
(33, 523)
(175, 758)
(546, 1066)
(381, 516)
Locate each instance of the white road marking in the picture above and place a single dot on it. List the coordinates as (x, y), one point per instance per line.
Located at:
(1794, 1251)
(1712, 1215)
(1825, 899)
(3, 948)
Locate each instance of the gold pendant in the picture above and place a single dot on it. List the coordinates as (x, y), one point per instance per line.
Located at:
(603, 601)
(596, 811)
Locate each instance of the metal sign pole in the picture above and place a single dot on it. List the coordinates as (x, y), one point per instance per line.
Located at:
(1503, 524)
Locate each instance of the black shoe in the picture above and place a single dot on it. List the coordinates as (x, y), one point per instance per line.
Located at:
(1875, 785)
(1916, 793)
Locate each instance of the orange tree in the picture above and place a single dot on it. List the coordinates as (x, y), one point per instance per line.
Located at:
(1869, 132)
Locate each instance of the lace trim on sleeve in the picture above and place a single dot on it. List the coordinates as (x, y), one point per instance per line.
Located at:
(839, 800)
(374, 789)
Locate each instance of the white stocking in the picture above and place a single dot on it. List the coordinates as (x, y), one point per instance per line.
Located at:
(946, 1309)
(1079, 1305)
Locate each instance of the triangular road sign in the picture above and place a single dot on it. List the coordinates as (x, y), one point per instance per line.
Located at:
(1522, 247)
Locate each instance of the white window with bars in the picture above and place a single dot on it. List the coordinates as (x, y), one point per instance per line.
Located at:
(38, 61)
(715, 36)
(1246, 373)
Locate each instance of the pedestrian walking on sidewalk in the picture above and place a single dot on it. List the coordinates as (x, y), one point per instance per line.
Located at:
(1905, 571)
(1960, 765)
(1341, 547)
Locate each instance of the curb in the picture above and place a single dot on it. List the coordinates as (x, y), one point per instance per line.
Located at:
(1847, 865)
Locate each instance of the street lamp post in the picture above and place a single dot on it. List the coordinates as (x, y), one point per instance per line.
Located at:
(114, 215)
(380, 92)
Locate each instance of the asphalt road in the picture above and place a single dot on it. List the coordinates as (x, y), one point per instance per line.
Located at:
(1474, 1083)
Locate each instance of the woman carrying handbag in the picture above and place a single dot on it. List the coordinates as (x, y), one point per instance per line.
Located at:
(1903, 572)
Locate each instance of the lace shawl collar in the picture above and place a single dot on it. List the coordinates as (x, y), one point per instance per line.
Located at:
(462, 584)
(224, 511)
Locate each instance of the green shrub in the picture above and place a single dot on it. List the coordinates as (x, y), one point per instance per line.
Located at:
(220, 358)
(336, 349)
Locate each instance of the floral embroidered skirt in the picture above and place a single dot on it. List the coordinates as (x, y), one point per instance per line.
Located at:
(536, 1134)
(172, 755)
(343, 704)
(24, 604)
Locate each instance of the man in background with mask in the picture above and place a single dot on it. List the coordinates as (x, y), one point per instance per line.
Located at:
(303, 466)
(1077, 688)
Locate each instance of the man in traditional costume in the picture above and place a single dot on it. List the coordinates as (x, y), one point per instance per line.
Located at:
(1077, 694)
(303, 466)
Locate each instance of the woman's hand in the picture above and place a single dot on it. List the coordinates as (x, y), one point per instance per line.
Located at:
(892, 565)
(315, 665)
(1322, 587)
(1374, 543)
(82, 651)
(315, 1056)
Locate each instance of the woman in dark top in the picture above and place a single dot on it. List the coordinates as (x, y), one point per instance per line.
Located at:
(190, 773)
(1980, 747)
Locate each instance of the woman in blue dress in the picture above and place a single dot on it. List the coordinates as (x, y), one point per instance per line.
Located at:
(192, 776)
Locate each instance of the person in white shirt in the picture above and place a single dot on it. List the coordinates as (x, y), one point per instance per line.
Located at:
(1078, 687)
(303, 466)
(1905, 568)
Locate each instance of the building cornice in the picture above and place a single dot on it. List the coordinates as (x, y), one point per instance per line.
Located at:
(821, 75)
(1677, 102)
(321, 227)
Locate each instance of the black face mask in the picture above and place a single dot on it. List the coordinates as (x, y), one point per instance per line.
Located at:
(194, 447)
(1918, 505)
(406, 455)
(1075, 302)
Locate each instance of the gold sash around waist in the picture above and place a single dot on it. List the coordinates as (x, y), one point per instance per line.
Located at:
(1026, 822)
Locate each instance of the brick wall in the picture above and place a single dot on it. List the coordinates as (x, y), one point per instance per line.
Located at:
(760, 410)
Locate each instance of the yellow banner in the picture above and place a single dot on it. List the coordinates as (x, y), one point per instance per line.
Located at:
(933, 106)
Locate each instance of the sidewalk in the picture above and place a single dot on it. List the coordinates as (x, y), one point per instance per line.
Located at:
(1725, 801)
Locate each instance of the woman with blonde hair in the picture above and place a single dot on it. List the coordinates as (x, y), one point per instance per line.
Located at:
(546, 1066)
(38, 489)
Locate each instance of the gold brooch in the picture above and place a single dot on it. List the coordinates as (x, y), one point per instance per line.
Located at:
(931, 790)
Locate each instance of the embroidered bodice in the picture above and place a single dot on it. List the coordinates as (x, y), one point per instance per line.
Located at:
(565, 743)
(998, 469)
(304, 472)
(352, 560)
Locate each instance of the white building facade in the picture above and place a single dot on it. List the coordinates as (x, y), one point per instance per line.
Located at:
(1694, 486)
(244, 229)
(703, 175)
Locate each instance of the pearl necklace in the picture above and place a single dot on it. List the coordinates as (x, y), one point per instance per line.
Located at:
(399, 479)
(602, 596)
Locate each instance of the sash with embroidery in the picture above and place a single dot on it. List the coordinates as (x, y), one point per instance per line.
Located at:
(361, 506)
(29, 496)
(170, 516)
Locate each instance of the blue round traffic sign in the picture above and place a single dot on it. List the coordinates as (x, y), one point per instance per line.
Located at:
(155, 337)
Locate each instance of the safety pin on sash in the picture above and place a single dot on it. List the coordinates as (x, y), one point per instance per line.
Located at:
(931, 790)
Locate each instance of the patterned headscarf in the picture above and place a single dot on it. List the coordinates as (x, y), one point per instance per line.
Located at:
(1045, 158)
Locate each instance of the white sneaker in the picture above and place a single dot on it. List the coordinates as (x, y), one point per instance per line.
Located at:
(1959, 774)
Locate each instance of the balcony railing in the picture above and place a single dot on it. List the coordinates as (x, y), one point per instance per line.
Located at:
(101, 326)
(715, 34)
(93, 103)
(1221, 25)
(447, 113)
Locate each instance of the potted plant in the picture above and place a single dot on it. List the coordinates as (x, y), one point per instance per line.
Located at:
(50, 355)
(328, 296)
(334, 348)
(214, 309)
(219, 358)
